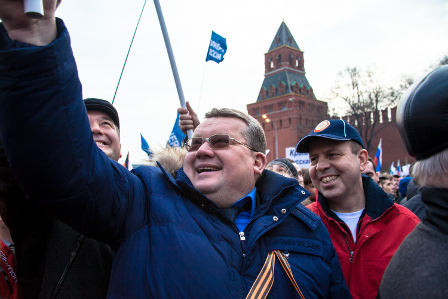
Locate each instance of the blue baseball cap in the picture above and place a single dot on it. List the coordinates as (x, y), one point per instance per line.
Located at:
(335, 129)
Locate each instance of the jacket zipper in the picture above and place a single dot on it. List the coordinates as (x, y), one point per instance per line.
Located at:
(243, 243)
(349, 250)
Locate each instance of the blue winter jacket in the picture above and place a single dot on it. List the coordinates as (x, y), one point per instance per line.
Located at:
(172, 241)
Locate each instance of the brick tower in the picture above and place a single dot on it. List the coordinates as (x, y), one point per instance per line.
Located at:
(286, 97)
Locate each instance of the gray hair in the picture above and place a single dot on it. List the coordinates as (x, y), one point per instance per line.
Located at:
(254, 133)
(432, 171)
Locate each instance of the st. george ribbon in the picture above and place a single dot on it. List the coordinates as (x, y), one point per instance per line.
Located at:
(34, 9)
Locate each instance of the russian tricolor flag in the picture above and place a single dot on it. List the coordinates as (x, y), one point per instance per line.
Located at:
(379, 157)
(127, 163)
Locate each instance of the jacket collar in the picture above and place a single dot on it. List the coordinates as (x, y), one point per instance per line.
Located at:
(377, 201)
(270, 187)
(436, 204)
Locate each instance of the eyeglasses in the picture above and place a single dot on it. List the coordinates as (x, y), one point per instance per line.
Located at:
(218, 141)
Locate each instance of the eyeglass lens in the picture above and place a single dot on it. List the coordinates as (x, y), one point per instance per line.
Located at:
(215, 142)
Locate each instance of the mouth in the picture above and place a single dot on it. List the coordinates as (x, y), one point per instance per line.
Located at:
(100, 143)
(207, 169)
(329, 179)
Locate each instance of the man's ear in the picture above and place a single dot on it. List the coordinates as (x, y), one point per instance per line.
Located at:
(363, 156)
(120, 152)
(260, 162)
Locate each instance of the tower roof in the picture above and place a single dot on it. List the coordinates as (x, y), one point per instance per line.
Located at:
(288, 78)
(283, 38)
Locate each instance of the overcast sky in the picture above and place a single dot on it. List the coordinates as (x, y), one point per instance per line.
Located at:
(396, 37)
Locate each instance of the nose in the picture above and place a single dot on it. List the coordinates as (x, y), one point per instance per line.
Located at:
(322, 164)
(95, 127)
(205, 150)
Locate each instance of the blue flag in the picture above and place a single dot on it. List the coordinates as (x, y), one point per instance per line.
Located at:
(176, 137)
(217, 48)
(145, 146)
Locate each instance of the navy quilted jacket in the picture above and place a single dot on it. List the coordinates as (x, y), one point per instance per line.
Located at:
(172, 241)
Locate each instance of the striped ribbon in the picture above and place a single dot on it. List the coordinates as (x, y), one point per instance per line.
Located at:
(265, 279)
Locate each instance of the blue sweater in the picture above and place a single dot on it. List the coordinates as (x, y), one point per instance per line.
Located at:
(172, 241)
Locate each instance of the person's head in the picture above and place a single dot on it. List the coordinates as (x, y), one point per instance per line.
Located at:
(422, 122)
(226, 169)
(299, 173)
(387, 183)
(284, 167)
(308, 184)
(337, 160)
(370, 170)
(105, 126)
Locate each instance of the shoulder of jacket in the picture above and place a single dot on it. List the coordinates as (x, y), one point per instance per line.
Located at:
(405, 212)
(306, 215)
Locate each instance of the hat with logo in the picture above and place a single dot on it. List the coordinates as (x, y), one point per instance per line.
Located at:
(335, 129)
(93, 104)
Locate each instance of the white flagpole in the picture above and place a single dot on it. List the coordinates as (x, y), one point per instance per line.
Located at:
(172, 60)
(34, 9)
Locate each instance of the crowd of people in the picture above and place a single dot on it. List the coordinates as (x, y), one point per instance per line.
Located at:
(214, 219)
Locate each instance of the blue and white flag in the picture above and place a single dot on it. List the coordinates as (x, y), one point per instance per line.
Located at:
(145, 146)
(217, 48)
(398, 168)
(393, 170)
(177, 137)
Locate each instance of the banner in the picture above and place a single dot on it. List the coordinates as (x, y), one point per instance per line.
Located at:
(177, 137)
(217, 48)
(302, 159)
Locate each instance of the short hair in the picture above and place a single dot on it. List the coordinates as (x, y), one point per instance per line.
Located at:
(432, 171)
(356, 147)
(385, 177)
(254, 134)
(306, 176)
(371, 161)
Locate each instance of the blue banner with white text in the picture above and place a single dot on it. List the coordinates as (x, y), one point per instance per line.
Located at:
(217, 48)
(176, 137)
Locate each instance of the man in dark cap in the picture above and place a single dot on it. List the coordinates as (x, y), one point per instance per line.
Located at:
(54, 260)
(105, 126)
(418, 269)
(365, 226)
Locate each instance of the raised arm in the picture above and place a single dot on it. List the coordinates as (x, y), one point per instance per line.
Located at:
(46, 133)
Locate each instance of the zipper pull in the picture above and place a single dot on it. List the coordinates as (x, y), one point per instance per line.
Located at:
(242, 237)
(351, 256)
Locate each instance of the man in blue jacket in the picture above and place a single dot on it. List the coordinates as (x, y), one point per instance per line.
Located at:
(205, 234)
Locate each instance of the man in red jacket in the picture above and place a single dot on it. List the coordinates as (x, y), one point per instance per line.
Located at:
(365, 226)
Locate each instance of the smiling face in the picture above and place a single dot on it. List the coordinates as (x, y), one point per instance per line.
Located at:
(336, 173)
(105, 134)
(223, 175)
